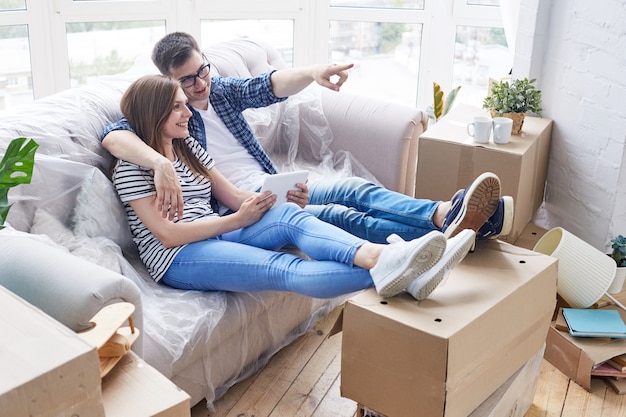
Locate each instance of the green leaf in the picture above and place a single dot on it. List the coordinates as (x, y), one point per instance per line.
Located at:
(17, 164)
(438, 101)
(450, 100)
(16, 168)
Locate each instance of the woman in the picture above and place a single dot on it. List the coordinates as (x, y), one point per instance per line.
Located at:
(237, 252)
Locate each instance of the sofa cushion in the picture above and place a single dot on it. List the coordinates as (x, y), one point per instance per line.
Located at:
(99, 212)
(99, 250)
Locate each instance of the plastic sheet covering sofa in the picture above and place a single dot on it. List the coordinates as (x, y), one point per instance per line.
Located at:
(68, 249)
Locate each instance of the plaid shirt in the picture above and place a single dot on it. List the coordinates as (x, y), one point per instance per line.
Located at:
(229, 97)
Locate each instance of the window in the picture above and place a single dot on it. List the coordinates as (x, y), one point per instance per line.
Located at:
(399, 47)
(6, 5)
(107, 48)
(278, 33)
(16, 86)
(386, 57)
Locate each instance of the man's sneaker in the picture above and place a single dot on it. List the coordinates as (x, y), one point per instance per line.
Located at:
(401, 262)
(472, 207)
(456, 249)
(500, 223)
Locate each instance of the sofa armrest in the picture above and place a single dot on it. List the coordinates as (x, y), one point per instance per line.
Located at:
(381, 134)
(69, 289)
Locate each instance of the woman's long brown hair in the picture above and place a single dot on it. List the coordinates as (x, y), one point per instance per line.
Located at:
(146, 104)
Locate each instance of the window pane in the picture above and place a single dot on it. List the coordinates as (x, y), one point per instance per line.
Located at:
(386, 57)
(16, 85)
(12, 5)
(108, 48)
(479, 53)
(383, 4)
(278, 33)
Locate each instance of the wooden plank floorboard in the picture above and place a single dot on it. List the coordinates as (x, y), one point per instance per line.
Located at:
(303, 380)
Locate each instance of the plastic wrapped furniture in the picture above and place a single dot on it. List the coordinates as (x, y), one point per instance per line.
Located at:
(69, 250)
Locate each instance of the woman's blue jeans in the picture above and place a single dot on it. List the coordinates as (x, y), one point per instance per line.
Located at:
(246, 260)
(370, 211)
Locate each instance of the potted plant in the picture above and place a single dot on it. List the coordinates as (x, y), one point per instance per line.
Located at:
(441, 105)
(16, 167)
(618, 253)
(514, 100)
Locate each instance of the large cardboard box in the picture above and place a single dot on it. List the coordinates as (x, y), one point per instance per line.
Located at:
(448, 160)
(511, 399)
(46, 369)
(445, 355)
(134, 388)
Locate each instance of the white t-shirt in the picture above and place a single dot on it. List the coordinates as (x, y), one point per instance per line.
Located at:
(231, 157)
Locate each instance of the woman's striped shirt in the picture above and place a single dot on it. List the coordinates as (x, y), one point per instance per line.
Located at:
(133, 182)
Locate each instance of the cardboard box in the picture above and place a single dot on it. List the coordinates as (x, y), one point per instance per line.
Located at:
(448, 160)
(576, 356)
(511, 399)
(47, 370)
(134, 388)
(445, 355)
(530, 236)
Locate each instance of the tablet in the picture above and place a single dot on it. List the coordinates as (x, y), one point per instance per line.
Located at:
(279, 184)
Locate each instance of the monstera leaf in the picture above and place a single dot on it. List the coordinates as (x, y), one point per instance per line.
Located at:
(16, 168)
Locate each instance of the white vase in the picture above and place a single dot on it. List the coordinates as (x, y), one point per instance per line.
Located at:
(618, 282)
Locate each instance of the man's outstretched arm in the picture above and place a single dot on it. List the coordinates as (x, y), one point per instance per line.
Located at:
(286, 82)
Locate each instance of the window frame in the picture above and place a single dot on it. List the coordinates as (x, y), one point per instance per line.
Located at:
(48, 44)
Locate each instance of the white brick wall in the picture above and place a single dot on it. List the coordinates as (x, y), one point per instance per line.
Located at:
(581, 46)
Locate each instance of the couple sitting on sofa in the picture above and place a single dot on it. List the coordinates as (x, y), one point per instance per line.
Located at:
(167, 179)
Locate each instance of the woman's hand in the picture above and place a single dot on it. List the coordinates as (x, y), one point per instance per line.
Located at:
(301, 198)
(255, 207)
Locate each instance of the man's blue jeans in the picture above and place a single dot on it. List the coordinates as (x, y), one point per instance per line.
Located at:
(245, 260)
(370, 211)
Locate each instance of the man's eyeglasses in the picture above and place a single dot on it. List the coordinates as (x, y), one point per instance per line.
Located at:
(190, 80)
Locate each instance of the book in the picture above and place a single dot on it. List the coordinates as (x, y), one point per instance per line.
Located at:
(584, 322)
(602, 369)
(616, 365)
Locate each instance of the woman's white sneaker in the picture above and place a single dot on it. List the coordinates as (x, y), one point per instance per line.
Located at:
(456, 249)
(401, 262)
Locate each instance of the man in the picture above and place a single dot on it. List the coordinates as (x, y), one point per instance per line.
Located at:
(363, 209)
(353, 204)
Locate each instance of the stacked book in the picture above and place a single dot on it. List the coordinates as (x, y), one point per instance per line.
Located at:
(606, 324)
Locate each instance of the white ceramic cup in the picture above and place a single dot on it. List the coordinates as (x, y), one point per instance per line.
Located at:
(480, 129)
(502, 127)
(584, 272)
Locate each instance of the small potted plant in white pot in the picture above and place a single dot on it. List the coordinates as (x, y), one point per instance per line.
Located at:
(618, 253)
(514, 99)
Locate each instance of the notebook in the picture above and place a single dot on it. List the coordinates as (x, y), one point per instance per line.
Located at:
(584, 322)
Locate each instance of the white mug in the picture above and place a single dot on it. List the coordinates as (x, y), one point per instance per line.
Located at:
(480, 129)
(502, 127)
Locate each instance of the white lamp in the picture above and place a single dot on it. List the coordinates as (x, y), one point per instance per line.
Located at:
(585, 273)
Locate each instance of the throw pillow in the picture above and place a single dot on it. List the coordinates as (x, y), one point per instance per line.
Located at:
(99, 250)
(99, 212)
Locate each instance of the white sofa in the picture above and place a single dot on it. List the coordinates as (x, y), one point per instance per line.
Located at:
(69, 252)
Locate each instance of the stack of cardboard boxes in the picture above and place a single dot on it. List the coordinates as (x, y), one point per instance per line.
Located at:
(447, 355)
(481, 332)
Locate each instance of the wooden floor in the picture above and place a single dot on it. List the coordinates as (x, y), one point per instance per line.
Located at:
(303, 380)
